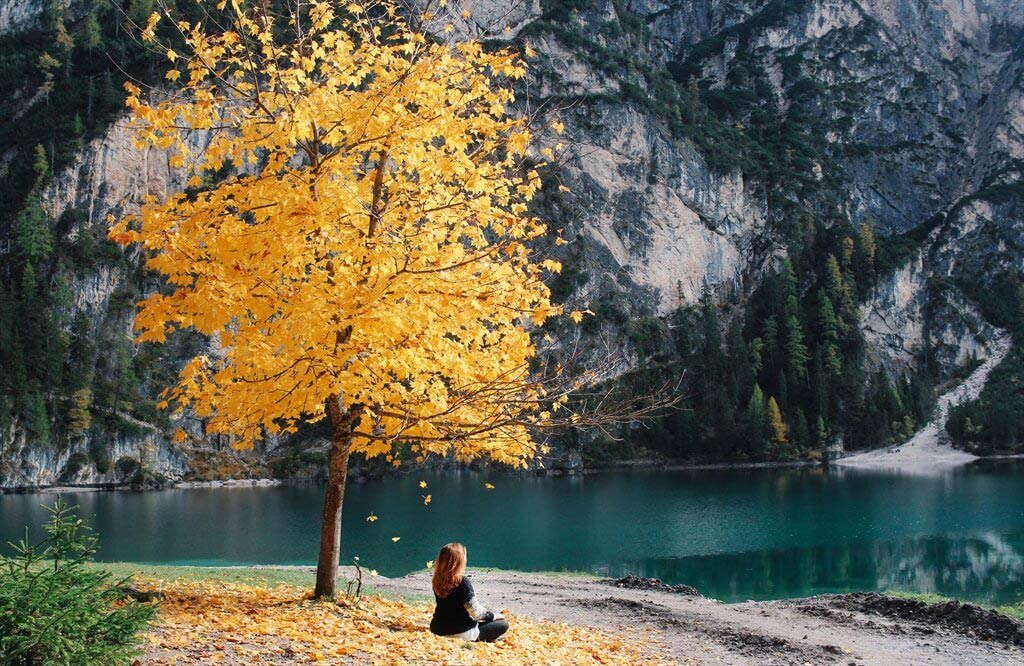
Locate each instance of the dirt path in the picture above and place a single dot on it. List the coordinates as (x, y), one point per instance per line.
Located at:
(846, 629)
(929, 450)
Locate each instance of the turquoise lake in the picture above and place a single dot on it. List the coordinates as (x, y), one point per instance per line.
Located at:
(733, 534)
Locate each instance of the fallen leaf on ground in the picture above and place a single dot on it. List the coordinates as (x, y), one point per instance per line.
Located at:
(204, 621)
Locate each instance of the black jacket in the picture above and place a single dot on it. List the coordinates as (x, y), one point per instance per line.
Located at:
(451, 615)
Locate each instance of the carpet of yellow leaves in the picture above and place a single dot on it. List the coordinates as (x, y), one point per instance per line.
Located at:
(204, 622)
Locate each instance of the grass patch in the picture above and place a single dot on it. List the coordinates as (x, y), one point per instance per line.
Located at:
(1011, 610)
(256, 576)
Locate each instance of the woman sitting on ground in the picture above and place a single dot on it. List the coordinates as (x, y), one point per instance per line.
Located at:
(459, 613)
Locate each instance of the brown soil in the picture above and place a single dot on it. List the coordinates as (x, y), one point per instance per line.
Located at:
(831, 629)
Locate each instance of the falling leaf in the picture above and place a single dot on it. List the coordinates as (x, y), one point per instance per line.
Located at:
(489, 486)
(373, 572)
(395, 539)
(430, 564)
(426, 499)
(423, 484)
(371, 518)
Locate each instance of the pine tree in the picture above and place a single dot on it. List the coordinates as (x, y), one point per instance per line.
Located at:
(692, 104)
(756, 417)
(91, 33)
(821, 433)
(801, 432)
(37, 421)
(796, 352)
(828, 334)
(782, 389)
(819, 386)
(805, 237)
(16, 373)
(740, 368)
(6, 337)
(139, 11)
(866, 250)
(756, 351)
(109, 94)
(723, 417)
(770, 336)
(81, 355)
(789, 287)
(32, 231)
(90, 98)
(711, 348)
(838, 291)
(5, 420)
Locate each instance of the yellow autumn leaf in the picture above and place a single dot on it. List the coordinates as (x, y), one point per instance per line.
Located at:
(577, 316)
(247, 623)
(371, 518)
(395, 539)
(149, 32)
(489, 486)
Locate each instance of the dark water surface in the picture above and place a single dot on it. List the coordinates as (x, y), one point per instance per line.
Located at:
(734, 534)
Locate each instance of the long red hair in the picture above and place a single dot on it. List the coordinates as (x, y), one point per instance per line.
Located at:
(449, 569)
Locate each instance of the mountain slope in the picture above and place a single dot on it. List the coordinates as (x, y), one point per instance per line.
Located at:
(705, 141)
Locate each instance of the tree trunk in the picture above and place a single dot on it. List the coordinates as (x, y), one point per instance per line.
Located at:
(343, 422)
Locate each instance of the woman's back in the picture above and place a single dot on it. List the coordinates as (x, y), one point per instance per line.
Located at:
(458, 613)
(450, 614)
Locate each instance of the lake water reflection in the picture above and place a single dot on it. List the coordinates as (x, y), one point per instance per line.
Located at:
(733, 534)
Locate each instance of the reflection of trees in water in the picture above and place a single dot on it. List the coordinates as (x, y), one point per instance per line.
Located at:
(986, 568)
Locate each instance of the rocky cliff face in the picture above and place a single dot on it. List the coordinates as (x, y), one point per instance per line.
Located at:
(896, 111)
(127, 454)
(908, 110)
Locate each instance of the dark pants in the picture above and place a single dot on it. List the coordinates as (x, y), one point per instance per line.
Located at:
(491, 631)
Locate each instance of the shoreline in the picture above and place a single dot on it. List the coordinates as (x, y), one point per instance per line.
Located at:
(859, 628)
(623, 465)
(619, 466)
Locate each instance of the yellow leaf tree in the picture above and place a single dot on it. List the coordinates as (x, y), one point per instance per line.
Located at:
(367, 259)
(776, 425)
